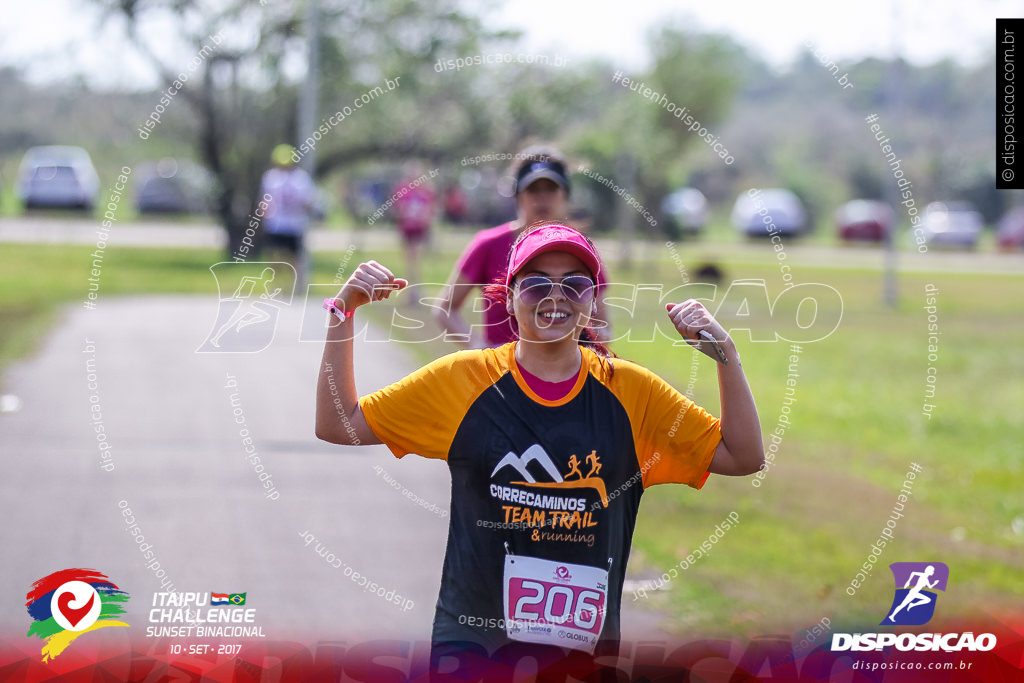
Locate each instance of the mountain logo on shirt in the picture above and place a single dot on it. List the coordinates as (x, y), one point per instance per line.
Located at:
(536, 453)
(519, 463)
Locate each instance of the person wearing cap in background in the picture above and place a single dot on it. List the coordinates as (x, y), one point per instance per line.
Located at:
(286, 219)
(550, 441)
(542, 194)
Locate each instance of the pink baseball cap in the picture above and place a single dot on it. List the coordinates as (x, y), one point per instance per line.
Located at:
(552, 237)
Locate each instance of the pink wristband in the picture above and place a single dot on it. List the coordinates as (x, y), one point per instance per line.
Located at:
(332, 306)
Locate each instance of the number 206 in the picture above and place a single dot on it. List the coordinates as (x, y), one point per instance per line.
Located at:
(584, 606)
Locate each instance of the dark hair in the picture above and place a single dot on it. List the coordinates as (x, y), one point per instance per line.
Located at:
(497, 293)
(536, 152)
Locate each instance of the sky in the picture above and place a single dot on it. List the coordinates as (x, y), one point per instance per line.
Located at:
(775, 31)
(58, 38)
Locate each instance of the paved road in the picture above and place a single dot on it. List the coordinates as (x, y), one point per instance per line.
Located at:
(49, 230)
(177, 462)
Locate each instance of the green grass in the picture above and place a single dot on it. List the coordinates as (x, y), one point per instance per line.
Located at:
(37, 280)
(856, 427)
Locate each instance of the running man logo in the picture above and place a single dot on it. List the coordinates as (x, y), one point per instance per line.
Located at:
(247, 317)
(914, 603)
(536, 453)
(70, 603)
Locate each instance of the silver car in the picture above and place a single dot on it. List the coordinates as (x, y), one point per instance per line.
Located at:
(954, 224)
(56, 176)
(757, 211)
(687, 207)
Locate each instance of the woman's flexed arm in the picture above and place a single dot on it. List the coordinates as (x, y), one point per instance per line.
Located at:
(338, 418)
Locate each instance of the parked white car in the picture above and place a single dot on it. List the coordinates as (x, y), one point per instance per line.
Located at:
(59, 177)
(687, 207)
(954, 224)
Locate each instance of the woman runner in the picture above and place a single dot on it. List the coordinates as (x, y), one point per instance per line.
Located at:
(550, 443)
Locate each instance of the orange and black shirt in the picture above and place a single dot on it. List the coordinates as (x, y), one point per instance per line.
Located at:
(558, 482)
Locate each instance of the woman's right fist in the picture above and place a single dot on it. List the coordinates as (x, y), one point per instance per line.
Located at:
(369, 282)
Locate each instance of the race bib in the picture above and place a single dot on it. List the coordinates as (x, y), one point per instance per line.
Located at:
(554, 603)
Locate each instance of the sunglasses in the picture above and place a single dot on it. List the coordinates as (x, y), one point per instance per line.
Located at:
(576, 288)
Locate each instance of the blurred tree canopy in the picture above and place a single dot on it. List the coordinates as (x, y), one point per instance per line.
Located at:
(796, 128)
(246, 102)
(648, 141)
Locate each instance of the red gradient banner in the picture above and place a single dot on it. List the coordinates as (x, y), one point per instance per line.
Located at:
(768, 658)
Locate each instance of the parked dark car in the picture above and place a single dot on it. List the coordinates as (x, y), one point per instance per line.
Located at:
(57, 176)
(864, 220)
(1010, 233)
(172, 186)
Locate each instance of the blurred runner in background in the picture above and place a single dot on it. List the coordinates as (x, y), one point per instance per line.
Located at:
(292, 193)
(414, 212)
(456, 206)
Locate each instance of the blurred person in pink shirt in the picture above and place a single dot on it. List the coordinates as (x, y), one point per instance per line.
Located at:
(542, 194)
(414, 213)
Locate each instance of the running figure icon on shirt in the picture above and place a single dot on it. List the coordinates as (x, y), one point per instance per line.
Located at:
(574, 466)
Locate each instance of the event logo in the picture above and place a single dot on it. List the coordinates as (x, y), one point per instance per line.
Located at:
(247, 317)
(914, 603)
(70, 603)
